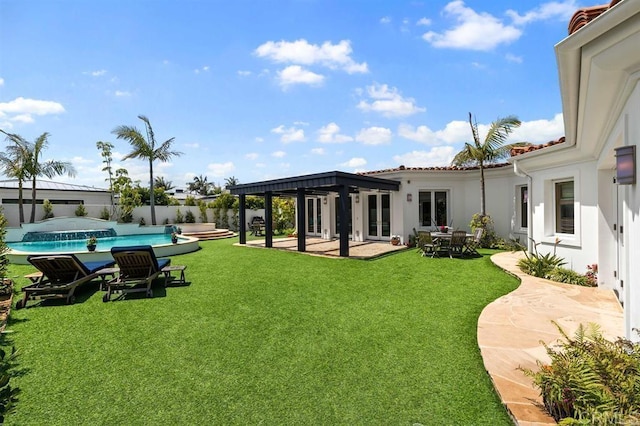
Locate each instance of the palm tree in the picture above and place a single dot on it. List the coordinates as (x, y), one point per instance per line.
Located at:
(493, 148)
(145, 148)
(199, 185)
(14, 164)
(231, 181)
(161, 182)
(49, 168)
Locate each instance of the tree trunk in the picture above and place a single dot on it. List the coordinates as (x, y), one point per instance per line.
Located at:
(20, 201)
(33, 200)
(483, 207)
(152, 199)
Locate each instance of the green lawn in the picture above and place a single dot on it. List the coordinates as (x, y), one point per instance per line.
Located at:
(267, 337)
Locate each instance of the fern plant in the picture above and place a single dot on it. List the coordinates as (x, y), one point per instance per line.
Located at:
(591, 380)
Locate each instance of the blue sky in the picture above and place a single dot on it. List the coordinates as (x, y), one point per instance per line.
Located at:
(265, 89)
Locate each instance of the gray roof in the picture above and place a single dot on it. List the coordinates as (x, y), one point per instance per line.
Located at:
(56, 186)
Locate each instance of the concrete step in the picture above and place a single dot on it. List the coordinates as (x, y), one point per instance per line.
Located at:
(211, 235)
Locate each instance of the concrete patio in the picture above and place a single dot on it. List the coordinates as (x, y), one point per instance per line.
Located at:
(331, 248)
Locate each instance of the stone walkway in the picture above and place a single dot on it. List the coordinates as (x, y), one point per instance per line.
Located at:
(511, 328)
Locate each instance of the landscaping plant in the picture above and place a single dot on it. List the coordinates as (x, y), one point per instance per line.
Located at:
(489, 237)
(591, 380)
(540, 265)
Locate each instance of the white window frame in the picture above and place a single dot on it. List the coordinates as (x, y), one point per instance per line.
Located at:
(550, 209)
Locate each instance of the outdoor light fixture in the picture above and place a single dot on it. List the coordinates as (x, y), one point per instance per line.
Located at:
(357, 198)
(409, 197)
(324, 200)
(626, 165)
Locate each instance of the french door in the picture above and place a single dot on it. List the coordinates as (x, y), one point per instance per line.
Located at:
(314, 216)
(378, 216)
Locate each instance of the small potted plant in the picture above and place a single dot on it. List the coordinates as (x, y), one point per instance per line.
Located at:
(444, 229)
(395, 240)
(174, 238)
(92, 242)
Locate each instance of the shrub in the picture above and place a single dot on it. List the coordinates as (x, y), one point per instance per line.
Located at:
(540, 265)
(568, 276)
(202, 206)
(48, 209)
(142, 222)
(104, 214)
(189, 217)
(190, 201)
(254, 203)
(590, 380)
(179, 216)
(81, 211)
(489, 238)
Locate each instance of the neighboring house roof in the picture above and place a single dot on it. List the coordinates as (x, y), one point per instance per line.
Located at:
(436, 168)
(587, 14)
(44, 185)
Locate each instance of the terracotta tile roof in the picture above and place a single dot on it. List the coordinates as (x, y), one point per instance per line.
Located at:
(524, 149)
(435, 168)
(587, 14)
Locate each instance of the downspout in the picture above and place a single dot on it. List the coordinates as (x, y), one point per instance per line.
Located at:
(519, 172)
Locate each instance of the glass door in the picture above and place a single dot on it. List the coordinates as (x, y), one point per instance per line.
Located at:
(314, 216)
(378, 216)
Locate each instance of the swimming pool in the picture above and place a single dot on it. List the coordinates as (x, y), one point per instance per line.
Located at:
(66, 246)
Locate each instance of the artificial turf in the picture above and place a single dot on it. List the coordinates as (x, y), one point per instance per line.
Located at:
(266, 337)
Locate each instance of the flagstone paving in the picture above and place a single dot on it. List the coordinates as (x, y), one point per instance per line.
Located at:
(511, 328)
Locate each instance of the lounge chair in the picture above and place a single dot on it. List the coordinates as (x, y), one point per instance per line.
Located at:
(138, 268)
(428, 245)
(457, 243)
(60, 275)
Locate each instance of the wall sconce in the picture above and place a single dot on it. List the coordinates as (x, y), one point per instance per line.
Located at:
(324, 200)
(357, 198)
(626, 165)
(409, 197)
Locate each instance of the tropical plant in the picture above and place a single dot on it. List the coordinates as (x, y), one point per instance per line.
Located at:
(106, 153)
(199, 185)
(14, 165)
(540, 265)
(231, 181)
(492, 149)
(165, 185)
(179, 216)
(283, 213)
(145, 148)
(128, 196)
(202, 206)
(190, 200)
(254, 203)
(569, 276)
(591, 380)
(48, 209)
(104, 214)
(189, 217)
(4, 262)
(489, 237)
(81, 211)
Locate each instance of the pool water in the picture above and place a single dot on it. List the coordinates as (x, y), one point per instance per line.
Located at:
(104, 244)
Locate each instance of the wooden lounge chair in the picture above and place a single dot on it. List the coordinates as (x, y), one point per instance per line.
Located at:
(138, 268)
(428, 245)
(472, 244)
(457, 243)
(60, 275)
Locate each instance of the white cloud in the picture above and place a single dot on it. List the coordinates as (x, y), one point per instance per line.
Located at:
(560, 10)
(331, 134)
(374, 136)
(437, 156)
(355, 163)
(333, 56)
(454, 132)
(221, 169)
(278, 154)
(1, 81)
(243, 73)
(194, 145)
(295, 74)
(424, 21)
(385, 20)
(251, 156)
(259, 139)
(290, 134)
(22, 110)
(388, 102)
(538, 131)
(318, 151)
(122, 93)
(201, 69)
(474, 31)
(513, 58)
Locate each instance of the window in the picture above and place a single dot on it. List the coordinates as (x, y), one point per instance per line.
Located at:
(432, 206)
(564, 207)
(524, 207)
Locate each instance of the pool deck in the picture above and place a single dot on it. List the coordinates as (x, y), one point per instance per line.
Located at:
(331, 248)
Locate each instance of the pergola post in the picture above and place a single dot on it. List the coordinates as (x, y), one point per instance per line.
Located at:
(268, 219)
(343, 212)
(300, 210)
(242, 217)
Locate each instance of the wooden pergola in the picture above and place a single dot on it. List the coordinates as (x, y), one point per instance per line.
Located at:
(300, 186)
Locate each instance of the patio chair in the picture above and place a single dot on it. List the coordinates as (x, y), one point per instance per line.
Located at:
(472, 244)
(457, 243)
(138, 268)
(428, 245)
(60, 275)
